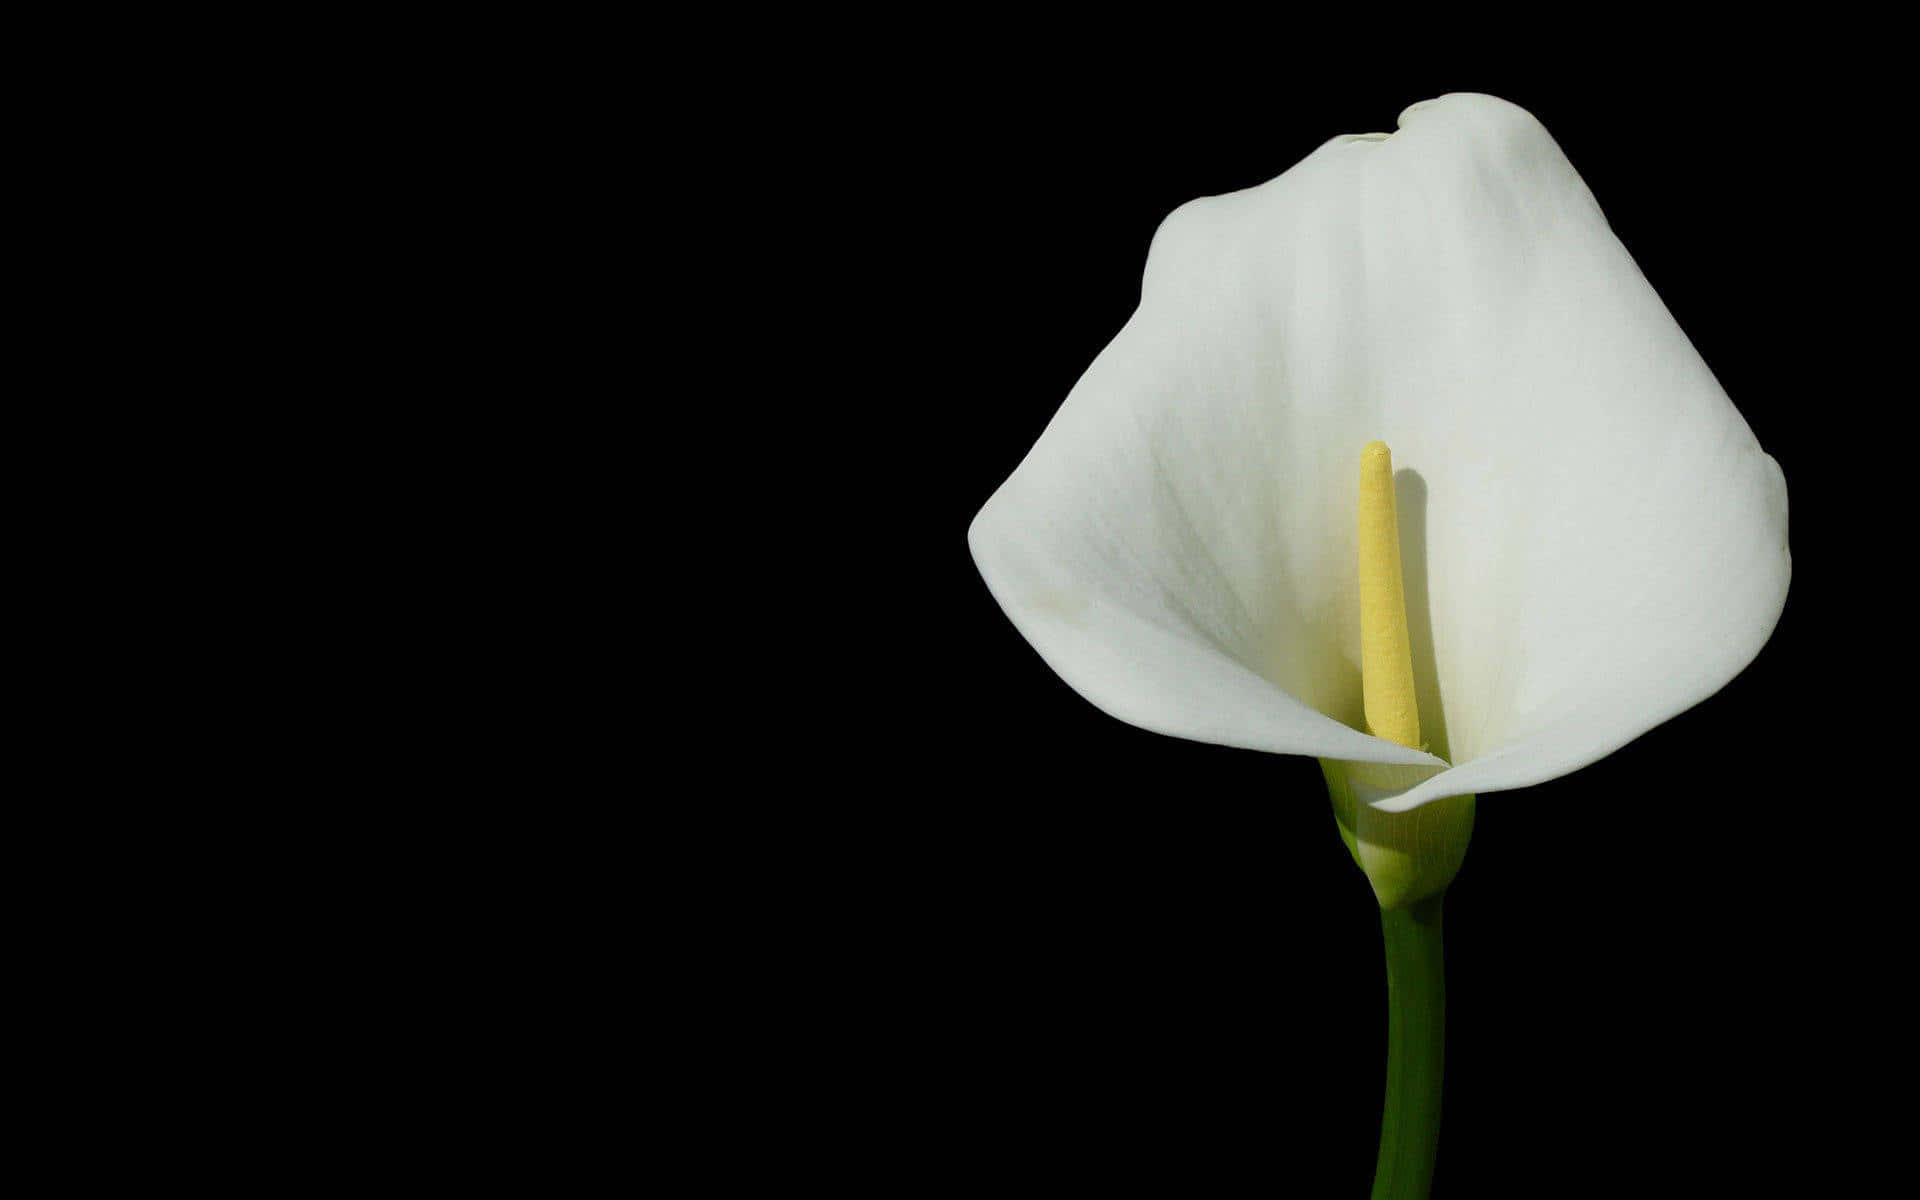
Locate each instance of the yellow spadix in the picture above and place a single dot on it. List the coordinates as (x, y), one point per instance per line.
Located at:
(1386, 655)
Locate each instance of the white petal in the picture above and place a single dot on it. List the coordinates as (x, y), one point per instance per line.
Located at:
(1594, 541)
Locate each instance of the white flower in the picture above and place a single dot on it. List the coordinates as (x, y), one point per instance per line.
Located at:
(1594, 540)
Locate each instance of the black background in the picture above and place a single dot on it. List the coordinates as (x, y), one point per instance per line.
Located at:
(1096, 956)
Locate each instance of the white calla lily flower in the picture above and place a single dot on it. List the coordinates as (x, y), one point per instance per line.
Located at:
(1594, 541)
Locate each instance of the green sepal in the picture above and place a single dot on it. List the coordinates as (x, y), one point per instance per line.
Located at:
(1407, 857)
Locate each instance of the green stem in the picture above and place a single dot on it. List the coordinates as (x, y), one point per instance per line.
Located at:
(1416, 1047)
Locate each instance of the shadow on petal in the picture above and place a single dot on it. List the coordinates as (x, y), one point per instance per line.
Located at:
(1410, 498)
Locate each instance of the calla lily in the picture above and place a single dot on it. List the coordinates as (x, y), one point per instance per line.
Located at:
(1594, 540)
(1584, 538)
